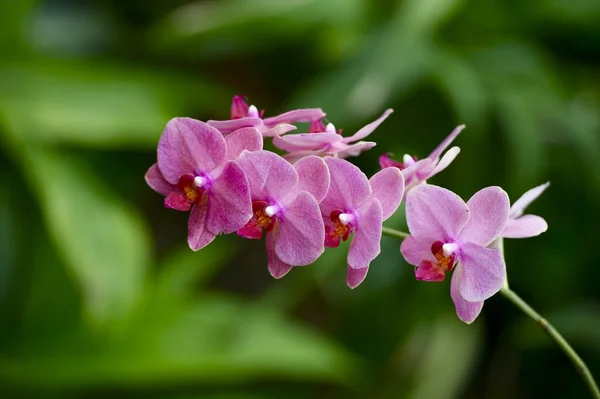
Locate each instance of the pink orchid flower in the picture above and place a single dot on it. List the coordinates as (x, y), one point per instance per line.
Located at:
(195, 170)
(418, 171)
(285, 203)
(355, 204)
(447, 234)
(327, 141)
(244, 115)
(524, 226)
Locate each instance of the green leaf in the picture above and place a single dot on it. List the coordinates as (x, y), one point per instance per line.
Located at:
(15, 24)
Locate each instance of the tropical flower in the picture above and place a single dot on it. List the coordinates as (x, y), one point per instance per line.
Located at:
(357, 205)
(524, 226)
(449, 235)
(244, 115)
(324, 140)
(195, 171)
(418, 171)
(285, 203)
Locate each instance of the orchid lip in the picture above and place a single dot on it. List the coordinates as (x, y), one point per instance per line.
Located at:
(253, 112)
(449, 249)
(271, 210)
(346, 218)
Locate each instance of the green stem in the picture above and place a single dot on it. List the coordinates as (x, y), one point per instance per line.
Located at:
(394, 233)
(579, 364)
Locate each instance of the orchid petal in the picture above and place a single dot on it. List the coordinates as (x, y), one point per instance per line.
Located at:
(247, 138)
(348, 189)
(412, 174)
(269, 176)
(296, 156)
(482, 272)
(157, 182)
(301, 231)
(305, 141)
(466, 311)
(524, 227)
(189, 146)
(365, 245)
(444, 144)
(429, 271)
(368, 129)
(228, 126)
(198, 236)
(313, 176)
(277, 130)
(435, 213)
(178, 201)
(446, 160)
(415, 251)
(388, 188)
(489, 213)
(277, 267)
(356, 276)
(385, 161)
(297, 115)
(229, 205)
(519, 206)
(353, 150)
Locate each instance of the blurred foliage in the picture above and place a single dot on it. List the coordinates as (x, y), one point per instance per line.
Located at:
(100, 297)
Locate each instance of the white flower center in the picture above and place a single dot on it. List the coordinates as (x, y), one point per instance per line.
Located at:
(200, 181)
(408, 160)
(346, 218)
(252, 112)
(330, 128)
(271, 210)
(449, 249)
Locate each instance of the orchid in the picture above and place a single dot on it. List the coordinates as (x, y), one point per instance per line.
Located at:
(524, 226)
(327, 141)
(448, 235)
(419, 171)
(355, 204)
(195, 170)
(285, 203)
(244, 115)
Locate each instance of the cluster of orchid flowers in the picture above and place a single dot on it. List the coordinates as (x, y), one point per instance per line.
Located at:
(312, 197)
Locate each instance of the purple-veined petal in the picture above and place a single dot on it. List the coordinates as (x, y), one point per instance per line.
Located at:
(198, 236)
(247, 138)
(348, 189)
(313, 176)
(353, 150)
(429, 271)
(270, 177)
(415, 251)
(295, 156)
(189, 146)
(277, 130)
(301, 230)
(489, 213)
(446, 160)
(465, 310)
(229, 205)
(482, 272)
(365, 245)
(524, 227)
(277, 267)
(368, 129)
(519, 206)
(178, 201)
(435, 213)
(444, 144)
(388, 188)
(157, 182)
(305, 141)
(356, 276)
(228, 126)
(297, 115)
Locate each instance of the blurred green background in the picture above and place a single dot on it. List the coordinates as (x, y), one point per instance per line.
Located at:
(100, 296)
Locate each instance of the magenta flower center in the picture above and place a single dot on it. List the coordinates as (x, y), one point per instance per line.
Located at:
(193, 187)
(342, 227)
(445, 253)
(264, 215)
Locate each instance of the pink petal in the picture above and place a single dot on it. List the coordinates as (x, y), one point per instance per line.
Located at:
(414, 171)
(388, 189)
(348, 189)
(198, 236)
(365, 245)
(429, 271)
(277, 130)
(229, 205)
(353, 150)
(226, 127)
(482, 272)
(297, 115)
(445, 161)
(247, 138)
(277, 267)
(385, 161)
(356, 276)
(524, 227)
(444, 144)
(305, 141)
(519, 206)
(489, 213)
(466, 311)
(270, 177)
(368, 129)
(295, 156)
(189, 146)
(415, 251)
(178, 201)
(301, 231)
(157, 182)
(313, 176)
(435, 213)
